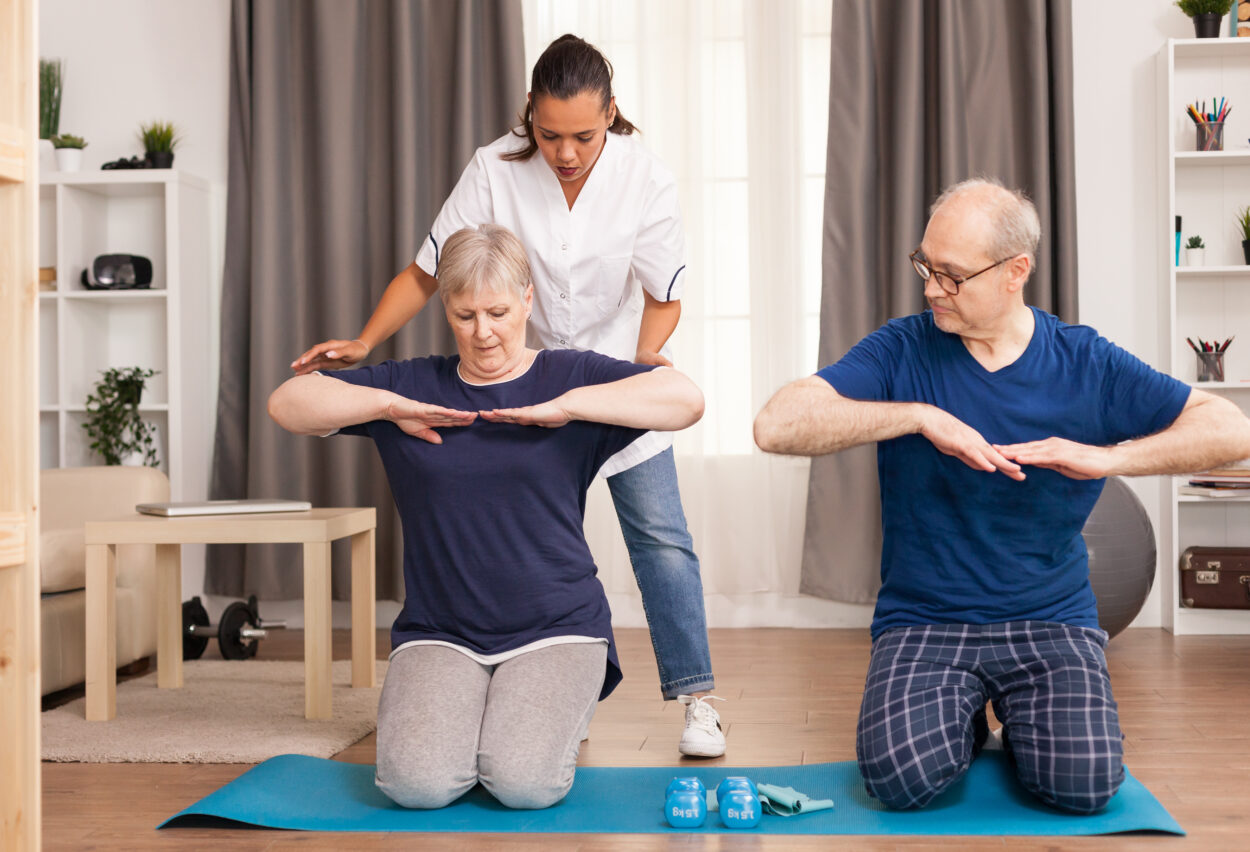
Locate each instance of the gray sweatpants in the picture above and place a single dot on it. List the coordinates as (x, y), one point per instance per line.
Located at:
(446, 722)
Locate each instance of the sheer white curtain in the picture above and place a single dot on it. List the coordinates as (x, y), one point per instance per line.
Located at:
(733, 96)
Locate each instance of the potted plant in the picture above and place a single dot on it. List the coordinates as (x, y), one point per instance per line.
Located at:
(1195, 251)
(113, 423)
(1243, 222)
(68, 151)
(159, 139)
(1206, 15)
(51, 86)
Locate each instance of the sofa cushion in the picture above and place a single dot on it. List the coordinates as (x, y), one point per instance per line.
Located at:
(62, 560)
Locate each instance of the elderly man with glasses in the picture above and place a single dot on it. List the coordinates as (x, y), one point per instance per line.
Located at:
(996, 425)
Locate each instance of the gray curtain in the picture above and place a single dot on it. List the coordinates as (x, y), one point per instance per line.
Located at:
(924, 93)
(350, 122)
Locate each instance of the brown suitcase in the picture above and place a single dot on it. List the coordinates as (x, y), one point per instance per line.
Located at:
(1215, 577)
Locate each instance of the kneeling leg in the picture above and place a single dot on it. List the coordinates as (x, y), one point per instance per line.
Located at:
(429, 719)
(917, 724)
(537, 711)
(1061, 723)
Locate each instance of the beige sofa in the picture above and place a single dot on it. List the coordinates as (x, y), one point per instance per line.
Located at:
(68, 498)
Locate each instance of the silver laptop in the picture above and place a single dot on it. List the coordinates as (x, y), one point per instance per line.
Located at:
(222, 507)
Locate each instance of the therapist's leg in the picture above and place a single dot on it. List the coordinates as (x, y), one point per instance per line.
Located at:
(429, 721)
(537, 711)
(648, 505)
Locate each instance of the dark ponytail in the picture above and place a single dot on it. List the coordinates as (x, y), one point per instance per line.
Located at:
(567, 68)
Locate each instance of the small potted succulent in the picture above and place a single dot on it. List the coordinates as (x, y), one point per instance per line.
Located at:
(113, 423)
(1195, 251)
(159, 139)
(1243, 222)
(1206, 15)
(68, 151)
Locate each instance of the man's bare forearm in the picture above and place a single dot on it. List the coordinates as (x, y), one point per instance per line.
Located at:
(810, 418)
(1208, 433)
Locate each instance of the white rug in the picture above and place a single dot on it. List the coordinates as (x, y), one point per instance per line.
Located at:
(243, 711)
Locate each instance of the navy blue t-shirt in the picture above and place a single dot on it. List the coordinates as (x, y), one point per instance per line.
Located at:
(967, 546)
(494, 553)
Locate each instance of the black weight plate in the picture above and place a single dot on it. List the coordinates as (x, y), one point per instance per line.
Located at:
(193, 612)
(233, 646)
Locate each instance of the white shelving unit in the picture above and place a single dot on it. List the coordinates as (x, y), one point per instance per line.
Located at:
(161, 214)
(1206, 189)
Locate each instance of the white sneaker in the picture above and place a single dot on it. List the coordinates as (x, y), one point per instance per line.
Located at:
(703, 736)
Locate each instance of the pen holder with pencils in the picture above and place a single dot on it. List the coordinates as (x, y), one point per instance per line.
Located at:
(1210, 136)
(1210, 366)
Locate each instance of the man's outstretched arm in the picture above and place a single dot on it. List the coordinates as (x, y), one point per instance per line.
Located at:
(809, 418)
(1209, 432)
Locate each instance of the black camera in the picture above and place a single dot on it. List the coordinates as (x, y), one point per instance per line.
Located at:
(119, 272)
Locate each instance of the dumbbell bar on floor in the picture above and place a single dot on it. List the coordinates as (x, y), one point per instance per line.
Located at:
(238, 634)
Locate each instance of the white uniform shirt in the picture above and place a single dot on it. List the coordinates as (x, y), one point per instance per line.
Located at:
(589, 264)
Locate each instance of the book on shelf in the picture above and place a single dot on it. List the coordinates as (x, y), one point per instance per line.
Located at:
(1224, 476)
(1213, 491)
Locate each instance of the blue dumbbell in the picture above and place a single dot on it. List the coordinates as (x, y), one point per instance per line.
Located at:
(688, 782)
(685, 808)
(738, 802)
(735, 782)
(740, 809)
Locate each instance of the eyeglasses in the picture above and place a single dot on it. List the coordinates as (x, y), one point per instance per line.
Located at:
(949, 283)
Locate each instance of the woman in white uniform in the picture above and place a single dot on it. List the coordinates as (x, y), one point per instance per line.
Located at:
(599, 218)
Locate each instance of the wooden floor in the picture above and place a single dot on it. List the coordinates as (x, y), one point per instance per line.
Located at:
(793, 698)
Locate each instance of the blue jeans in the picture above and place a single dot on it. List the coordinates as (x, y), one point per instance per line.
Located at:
(661, 550)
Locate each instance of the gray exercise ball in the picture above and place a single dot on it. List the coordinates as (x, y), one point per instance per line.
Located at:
(1121, 544)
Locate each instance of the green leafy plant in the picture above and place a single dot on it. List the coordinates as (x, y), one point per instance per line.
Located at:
(51, 86)
(1195, 242)
(1243, 222)
(159, 137)
(1193, 8)
(113, 422)
(68, 140)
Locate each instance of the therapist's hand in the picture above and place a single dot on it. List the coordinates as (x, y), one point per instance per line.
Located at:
(419, 419)
(330, 355)
(549, 415)
(655, 359)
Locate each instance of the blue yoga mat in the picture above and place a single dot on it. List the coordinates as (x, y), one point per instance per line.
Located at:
(296, 792)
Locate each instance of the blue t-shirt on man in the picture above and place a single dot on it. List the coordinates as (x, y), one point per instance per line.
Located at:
(963, 546)
(494, 553)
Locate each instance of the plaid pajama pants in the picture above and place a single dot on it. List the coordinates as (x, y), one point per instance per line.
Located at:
(923, 716)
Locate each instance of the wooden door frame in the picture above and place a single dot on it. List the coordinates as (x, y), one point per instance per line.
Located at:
(20, 814)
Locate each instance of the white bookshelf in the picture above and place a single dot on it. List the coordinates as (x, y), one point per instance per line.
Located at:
(1206, 188)
(161, 214)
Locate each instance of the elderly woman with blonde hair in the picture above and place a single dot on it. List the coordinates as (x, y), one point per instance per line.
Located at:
(504, 644)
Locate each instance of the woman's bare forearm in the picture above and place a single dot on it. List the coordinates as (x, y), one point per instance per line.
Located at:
(659, 321)
(403, 299)
(316, 404)
(662, 399)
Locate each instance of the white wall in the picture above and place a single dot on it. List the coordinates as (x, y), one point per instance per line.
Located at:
(1114, 45)
(129, 62)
